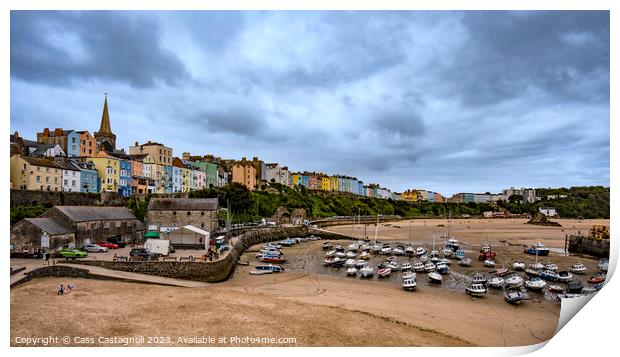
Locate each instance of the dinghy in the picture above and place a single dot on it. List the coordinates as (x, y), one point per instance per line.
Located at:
(393, 265)
(531, 272)
(350, 263)
(535, 283)
(384, 272)
(489, 263)
(435, 278)
(501, 271)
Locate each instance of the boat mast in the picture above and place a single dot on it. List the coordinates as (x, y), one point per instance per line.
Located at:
(377, 227)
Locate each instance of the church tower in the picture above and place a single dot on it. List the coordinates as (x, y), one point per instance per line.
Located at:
(104, 136)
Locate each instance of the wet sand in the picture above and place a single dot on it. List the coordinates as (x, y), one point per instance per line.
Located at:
(315, 305)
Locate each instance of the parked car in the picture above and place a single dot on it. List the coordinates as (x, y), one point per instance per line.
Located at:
(142, 252)
(117, 240)
(72, 253)
(94, 248)
(108, 245)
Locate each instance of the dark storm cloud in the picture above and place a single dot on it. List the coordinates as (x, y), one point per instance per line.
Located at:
(448, 101)
(507, 53)
(60, 47)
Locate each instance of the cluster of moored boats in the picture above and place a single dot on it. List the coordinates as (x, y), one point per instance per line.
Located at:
(272, 254)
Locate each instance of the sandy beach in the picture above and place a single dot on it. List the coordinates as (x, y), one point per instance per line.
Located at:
(313, 306)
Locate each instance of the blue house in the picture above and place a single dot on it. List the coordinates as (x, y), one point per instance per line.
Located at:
(89, 177)
(124, 182)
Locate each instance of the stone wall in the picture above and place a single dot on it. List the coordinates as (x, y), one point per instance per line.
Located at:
(27, 236)
(48, 199)
(218, 271)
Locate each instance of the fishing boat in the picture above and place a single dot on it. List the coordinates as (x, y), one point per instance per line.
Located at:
(260, 272)
(410, 251)
(434, 259)
(495, 281)
(459, 254)
(453, 243)
(442, 268)
(367, 272)
(465, 262)
(353, 247)
(351, 254)
(384, 272)
(399, 249)
(501, 271)
(535, 283)
(551, 266)
(406, 266)
(476, 289)
(447, 251)
(513, 281)
(435, 277)
(275, 260)
(597, 279)
(574, 286)
(578, 268)
(513, 296)
(270, 267)
(429, 267)
(360, 264)
(418, 266)
(420, 251)
(365, 255)
(549, 275)
(386, 249)
(409, 284)
(479, 278)
(393, 265)
(376, 248)
(351, 271)
(531, 272)
(518, 265)
(556, 288)
(489, 263)
(537, 249)
(350, 263)
(603, 264)
(409, 274)
(565, 276)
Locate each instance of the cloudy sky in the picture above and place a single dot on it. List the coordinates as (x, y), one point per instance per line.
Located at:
(446, 101)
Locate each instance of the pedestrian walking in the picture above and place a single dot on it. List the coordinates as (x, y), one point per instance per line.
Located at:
(61, 290)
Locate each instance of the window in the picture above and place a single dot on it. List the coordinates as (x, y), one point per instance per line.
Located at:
(47, 169)
(66, 182)
(84, 142)
(90, 151)
(47, 179)
(24, 166)
(72, 182)
(106, 225)
(174, 213)
(118, 224)
(38, 168)
(39, 179)
(56, 180)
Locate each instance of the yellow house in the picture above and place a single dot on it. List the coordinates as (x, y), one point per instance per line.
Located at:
(109, 170)
(325, 183)
(33, 173)
(333, 183)
(245, 174)
(185, 179)
(296, 179)
(410, 195)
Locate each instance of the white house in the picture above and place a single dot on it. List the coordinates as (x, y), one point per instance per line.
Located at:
(548, 211)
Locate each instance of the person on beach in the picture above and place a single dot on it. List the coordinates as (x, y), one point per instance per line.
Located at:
(61, 290)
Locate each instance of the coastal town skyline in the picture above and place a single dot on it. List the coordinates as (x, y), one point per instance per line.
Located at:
(401, 139)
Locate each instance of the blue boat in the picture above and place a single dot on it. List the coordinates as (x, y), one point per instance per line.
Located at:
(537, 249)
(443, 269)
(273, 268)
(549, 275)
(459, 254)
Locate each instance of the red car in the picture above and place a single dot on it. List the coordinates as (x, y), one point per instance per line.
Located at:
(108, 245)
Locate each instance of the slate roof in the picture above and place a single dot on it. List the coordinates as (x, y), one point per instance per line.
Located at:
(183, 204)
(50, 225)
(37, 161)
(95, 213)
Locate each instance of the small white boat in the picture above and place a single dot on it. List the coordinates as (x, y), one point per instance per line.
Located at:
(551, 266)
(418, 266)
(420, 251)
(365, 255)
(360, 263)
(535, 283)
(367, 272)
(479, 278)
(365, 247)
(353, 247)
(393, 265)
(386, 249)
(495, 281)
(435, 277)
(434, 253)
(429, 267)
(447, 252)
(330, 253)
(476, 290)
(489, 263)
(391, 258)
(398, 250)
(384, 272)
(409, 274)
(578, 268)
(445, 261)
(409, 284)
(518, 265)
(453, 243)
(514, 296)
(565, 276)
(260, 272)
(409, 250)
(442, 268)
(406, 266)
(603, 265)
(340, 255)
(556, 288)
(537, 266)
(350, 263)
(424, 258)
(466, 262)
(513, 281)
(351, 254)
(376, 248)
(351, 271)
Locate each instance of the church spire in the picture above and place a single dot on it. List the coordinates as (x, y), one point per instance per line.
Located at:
(105, 118)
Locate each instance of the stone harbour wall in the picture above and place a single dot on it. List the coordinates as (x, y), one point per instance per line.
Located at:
(217, 271)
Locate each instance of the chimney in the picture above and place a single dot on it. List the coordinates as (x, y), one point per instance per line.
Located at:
(136, 144)
(16, 135)
(46, 132)
(186, 156)
(58, 132)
